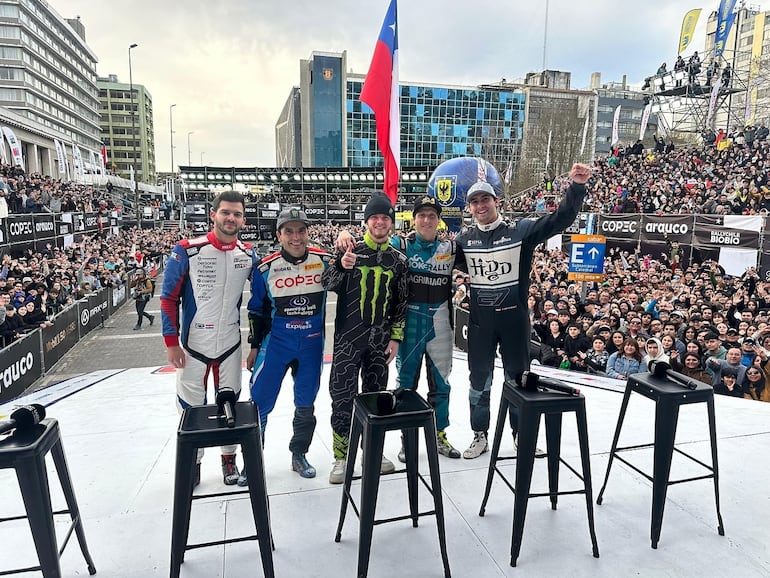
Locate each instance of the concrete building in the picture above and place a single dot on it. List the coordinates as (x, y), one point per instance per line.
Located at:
(632, 102)
(47, 83)
(123, 149)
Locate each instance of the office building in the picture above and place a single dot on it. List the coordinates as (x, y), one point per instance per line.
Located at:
(123, 148)
(47, 82)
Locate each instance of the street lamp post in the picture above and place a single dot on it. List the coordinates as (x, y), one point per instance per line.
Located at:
(189, 162)
(133, 136)
(171, 129)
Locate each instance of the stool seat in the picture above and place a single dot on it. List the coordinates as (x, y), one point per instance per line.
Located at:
(200, 427)
(370, 421)
(668, 397)
(531, 405)
(25, 451)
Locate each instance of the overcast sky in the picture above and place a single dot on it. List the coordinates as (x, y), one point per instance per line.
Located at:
(228, 65)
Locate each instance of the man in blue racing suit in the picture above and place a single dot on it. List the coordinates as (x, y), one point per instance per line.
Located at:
(286, 331)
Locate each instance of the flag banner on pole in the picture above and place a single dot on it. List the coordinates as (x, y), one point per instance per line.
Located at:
(103, 159)
(585, 134)
(725, 18)
(689, 22)
(3, 154)
(77, 163)
(645, 118)
(380, 92)
(60, 157)
(92, 161)
(15, 145)
(713, 100)
(548, 151)
(615, 122)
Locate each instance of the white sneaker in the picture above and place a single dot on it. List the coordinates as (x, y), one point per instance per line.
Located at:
(478, 446)
(538, 452)
(386, 466)
(337, 475)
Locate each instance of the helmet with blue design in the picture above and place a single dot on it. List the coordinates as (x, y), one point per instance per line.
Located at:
(455, 181)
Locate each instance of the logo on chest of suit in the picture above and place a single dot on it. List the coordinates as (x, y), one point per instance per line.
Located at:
(488, 268)
(373, 280)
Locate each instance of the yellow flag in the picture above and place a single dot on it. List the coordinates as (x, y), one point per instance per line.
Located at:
(688, 27)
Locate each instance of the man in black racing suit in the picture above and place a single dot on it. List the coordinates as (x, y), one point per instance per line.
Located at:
(498, 258)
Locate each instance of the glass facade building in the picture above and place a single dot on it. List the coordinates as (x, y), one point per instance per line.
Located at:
(439, 123)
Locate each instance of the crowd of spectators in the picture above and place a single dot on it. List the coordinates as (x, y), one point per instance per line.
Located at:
(22, 192)
(729, 177)
(709, 325)
(38, 285)
(704, 323)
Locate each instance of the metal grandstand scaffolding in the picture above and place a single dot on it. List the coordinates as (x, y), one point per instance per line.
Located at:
(709, 94)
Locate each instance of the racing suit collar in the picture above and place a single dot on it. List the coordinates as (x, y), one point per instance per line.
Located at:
(293, 260)
(214, 240)
(372, 244)
(424, 243)
(491, 226)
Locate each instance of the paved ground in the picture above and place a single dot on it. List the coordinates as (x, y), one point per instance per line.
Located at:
(118, 346)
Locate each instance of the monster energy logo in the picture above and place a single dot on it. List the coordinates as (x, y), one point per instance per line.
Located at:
(376, 274)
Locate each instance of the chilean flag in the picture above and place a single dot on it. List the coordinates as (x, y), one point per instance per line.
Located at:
(380, 92)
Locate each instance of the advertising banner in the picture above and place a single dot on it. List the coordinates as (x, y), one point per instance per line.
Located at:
(60, 337)
(462, 318)
(92, 311)
(118, 296)
(338, 213)
(621, 231)
(716, 231)
(22, 365)
(21, 229)
(316, 212)
(251, 212)
(266, 212)
(44, 227)
(3, 232)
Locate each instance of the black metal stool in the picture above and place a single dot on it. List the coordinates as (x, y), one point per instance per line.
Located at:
(25, 451)
(411, 413)
(200, 427)
(668, 397)
(532, 405)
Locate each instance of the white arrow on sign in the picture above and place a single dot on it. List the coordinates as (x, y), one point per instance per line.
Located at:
(593, 252)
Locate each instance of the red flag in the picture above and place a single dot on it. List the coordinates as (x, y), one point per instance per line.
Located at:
(380, 92)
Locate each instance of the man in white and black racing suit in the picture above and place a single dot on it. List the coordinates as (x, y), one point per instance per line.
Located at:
(206, 276)
(498, 258)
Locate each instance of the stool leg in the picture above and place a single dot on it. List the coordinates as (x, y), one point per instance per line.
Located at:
(666, 417)
(33, 482)
(715, 461)
(252, 456)
(411, 449)
(60, 461)
(355, 437)
(529, 424)
(553, 441)
(186, 456)
(502, 412)
(438, 500)
(374, 441)
(613, 449)
(585, 457)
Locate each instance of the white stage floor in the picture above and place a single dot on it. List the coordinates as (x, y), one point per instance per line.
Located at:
(119, 438)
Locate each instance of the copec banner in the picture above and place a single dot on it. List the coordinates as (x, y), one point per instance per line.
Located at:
(39, 230)
(735, 241)
(30, 357)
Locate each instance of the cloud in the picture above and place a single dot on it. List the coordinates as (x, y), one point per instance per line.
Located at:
(229, 65)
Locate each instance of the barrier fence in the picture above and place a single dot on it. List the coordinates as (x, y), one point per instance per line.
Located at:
(29, 358)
